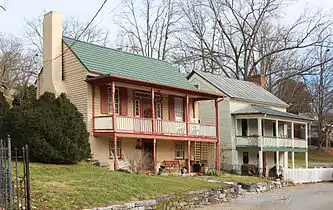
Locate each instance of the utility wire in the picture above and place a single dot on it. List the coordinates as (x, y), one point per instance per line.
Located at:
(84, 30)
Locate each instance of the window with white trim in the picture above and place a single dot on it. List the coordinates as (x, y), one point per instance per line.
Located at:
(116, 100)
(137, 108)
(158, 110)
(180, 150)
(118, 149)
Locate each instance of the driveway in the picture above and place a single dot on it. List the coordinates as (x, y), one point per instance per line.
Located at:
(301, 197)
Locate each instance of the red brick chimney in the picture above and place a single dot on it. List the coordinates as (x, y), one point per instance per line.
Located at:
(260, 79)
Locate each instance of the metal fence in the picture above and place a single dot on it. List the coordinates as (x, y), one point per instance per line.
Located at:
(14, 177)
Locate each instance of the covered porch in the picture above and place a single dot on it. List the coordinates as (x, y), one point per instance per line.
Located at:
(176, 156)
(265, 130)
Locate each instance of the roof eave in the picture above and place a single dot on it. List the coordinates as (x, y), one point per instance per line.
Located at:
(106, 78)
(262, 113)
(262, 103)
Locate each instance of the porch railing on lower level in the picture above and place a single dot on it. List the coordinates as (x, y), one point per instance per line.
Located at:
(268, 141)
(162, 127)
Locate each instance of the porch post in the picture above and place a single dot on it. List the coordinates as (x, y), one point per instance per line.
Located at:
(93, 107)
(188, 156)
(293, 143)
(153, 109)
(113, 86)
(261, 147)
(187, 115)
(260, 162)
(155, 155)
(115, 155)
(306, 146)
(218, 165)
(285, 160)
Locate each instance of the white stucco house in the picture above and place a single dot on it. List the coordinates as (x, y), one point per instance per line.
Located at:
(255, 127)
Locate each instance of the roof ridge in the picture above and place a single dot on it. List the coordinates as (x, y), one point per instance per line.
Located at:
(109, 48)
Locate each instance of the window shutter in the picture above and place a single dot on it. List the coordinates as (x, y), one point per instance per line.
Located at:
(171, 108)
(104, 99)
(123, 101)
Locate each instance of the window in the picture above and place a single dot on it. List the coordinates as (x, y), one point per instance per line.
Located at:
(139, 94)
(158, 111)
(137, 108)
(118, 149)
(244, 127)
(180, 150)
(116, 100)
(274, 129)
(245, 157)
(179, 106)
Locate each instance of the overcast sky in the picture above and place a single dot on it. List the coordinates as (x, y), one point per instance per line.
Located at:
(12, 21)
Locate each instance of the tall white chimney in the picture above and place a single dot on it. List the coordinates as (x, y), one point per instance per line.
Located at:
(52, 54)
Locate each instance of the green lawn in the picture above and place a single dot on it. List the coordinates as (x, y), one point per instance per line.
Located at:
(315, 156)
(83, 185)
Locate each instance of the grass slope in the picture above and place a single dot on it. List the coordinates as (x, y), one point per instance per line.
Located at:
(83, 185)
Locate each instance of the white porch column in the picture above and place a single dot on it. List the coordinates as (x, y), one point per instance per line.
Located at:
(306, 146)
(293, 142)
(285, 160)
(260, 142)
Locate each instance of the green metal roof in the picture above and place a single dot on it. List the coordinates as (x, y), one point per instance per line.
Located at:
(255, 109)
(107, 61)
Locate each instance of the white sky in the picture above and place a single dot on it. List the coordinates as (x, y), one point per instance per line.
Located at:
(12, 21)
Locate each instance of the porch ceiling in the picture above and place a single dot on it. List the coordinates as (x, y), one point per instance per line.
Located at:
(255, 109)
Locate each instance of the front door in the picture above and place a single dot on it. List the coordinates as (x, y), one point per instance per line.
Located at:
(147, 111)
(148, 149)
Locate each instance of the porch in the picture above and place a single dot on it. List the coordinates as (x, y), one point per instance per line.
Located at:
(270, 130)
(174, 155)
(159, 127)
(126, 108)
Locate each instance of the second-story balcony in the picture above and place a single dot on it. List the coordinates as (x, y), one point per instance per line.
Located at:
(150, 126)
(142, 110)
(270, 134)
(270, 142)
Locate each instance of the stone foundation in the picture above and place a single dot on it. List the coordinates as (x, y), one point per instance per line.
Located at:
(192, 199)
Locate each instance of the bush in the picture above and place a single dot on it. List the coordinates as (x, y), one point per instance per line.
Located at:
(212, 173)
(4, 107)
(139, 161)
(249, 170)
(52, 127)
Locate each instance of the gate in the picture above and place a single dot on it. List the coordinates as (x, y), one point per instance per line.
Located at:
(14, 177)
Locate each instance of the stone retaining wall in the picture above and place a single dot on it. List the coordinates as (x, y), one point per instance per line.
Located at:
(192, 199)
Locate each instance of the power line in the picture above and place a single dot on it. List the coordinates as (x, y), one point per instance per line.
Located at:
(84, 30)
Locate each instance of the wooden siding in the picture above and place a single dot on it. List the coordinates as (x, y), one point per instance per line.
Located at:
(74, 78)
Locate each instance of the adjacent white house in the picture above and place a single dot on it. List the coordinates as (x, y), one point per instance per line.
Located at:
(255, 127)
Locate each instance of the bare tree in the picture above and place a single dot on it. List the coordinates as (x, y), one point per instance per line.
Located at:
(148, 28)
(322, 92)
(72, 28)
(246, 37)
(17, 66)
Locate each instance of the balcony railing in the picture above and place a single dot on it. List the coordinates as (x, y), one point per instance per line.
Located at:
(162, 127)
(268, 141)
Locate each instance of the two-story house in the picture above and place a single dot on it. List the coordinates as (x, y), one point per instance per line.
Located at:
(129, 102)
(255, 127)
